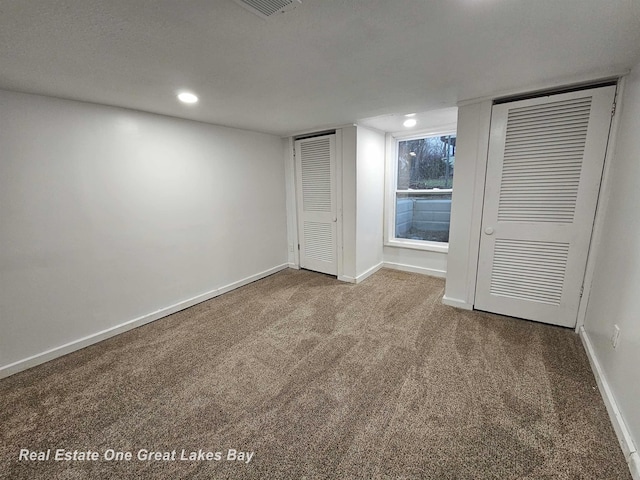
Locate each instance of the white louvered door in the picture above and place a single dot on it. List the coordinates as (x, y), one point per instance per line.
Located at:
(543, 176)
(316, 194)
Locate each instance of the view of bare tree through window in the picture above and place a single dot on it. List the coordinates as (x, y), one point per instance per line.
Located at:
(426, 163)
(424, 186)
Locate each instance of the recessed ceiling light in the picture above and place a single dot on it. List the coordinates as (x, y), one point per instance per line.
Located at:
(410, 115)
(186, 97)
(410, 122)
(413, 154)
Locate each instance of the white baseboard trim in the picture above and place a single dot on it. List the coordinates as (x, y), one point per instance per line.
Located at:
(622, 432)
(432, 272)
(454, 302)
(293, 265)
(56, 352)
(369, 272)
(345, 278)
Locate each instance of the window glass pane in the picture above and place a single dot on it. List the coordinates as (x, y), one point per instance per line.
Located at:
(423, 216)
(426, 163)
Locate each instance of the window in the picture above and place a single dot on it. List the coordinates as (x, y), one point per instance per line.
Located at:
(423, 184)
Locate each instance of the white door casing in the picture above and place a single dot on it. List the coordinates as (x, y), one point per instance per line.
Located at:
(316, 203)
(543, 177)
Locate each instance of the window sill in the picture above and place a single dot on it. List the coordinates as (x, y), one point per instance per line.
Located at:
(439, 247)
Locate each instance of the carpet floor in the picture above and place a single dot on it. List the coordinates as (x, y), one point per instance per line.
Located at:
(306, 377)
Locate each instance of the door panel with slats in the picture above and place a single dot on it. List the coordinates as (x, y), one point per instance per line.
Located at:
(318, 241)
(315, 172)
(543, 152)
(529, 270)
(543, 175)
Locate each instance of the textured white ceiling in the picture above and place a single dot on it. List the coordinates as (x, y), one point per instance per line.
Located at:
(328, 62)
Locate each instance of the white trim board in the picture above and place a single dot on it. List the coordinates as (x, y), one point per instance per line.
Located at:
(346, 278)
(601, 208)
(369, 272)
(293, 255)
(622, 432)
(432, 272)
(319, 130)
(457, 303)
(634, 465)
(83, 342)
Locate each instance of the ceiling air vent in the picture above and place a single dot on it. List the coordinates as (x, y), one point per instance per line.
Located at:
(267, 8)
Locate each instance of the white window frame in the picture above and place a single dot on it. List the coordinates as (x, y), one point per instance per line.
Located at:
(390, 240)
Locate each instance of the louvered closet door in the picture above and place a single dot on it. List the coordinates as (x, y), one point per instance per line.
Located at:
(316, 193)
(543, 176)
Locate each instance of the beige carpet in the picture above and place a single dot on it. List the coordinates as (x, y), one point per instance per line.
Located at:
(319, 379)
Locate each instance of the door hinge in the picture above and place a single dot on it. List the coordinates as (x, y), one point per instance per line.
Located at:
(613, 108)
(298, 246)
(581, 290)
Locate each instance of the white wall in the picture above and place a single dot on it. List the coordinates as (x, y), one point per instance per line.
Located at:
(614, 296)
(108, 215)
(370, 200)
(466, 205)
(418, 261)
